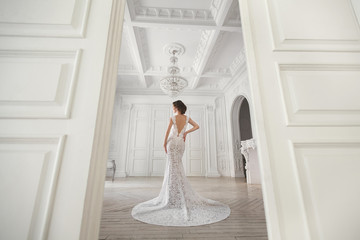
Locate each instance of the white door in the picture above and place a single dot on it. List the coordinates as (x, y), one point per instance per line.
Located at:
(147, 131)
(52, 56)
(159, 122)
(304, 66)
(194, 156)
(139, 146)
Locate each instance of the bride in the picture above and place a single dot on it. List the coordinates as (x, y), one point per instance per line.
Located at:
(178, 204)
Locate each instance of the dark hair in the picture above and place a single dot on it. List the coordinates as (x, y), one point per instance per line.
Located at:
(180, 106)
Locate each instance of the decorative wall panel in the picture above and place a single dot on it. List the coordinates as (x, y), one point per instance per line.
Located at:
(59, 18)
(294, 30)
(29, 170)
(324, 168)
(221, 137)
(139, 148)
(44, 86)
(195, 150)
(339, 103)
(160, 121)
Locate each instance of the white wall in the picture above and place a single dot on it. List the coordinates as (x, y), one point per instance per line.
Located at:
(214, 139)
(138, 131)
(238, 87)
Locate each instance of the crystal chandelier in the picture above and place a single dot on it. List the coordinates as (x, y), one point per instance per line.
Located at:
(173, 84)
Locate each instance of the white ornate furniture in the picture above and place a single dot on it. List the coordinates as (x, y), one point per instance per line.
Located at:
(111, 165)
(248, 149)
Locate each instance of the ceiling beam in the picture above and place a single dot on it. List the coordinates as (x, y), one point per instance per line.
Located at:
(183, 25)
(204, 53)
(185, 74)
(216, 75)
(134, 46)
(164, 73)
(205, 50)
(222, 11)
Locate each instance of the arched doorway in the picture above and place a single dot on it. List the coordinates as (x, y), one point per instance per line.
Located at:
(241, 131)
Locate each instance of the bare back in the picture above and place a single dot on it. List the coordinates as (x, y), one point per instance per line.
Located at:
(180, 121)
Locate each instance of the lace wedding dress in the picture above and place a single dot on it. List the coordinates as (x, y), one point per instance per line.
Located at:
(178, 204)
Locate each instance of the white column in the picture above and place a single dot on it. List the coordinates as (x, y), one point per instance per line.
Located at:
(114, 149)
(124, 140)
(212, 170)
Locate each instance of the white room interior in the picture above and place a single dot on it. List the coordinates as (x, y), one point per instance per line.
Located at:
(214, 64)
(59, 74)
(218, 98)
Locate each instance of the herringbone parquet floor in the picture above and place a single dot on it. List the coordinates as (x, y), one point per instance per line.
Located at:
(246, 221)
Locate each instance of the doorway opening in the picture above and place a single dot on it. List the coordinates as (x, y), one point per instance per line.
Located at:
(141, 114)
(246, 162)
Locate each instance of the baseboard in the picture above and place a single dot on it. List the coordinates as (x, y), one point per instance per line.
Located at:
(120, 174)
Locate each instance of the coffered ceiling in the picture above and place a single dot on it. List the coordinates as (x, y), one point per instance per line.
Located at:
(209, 30)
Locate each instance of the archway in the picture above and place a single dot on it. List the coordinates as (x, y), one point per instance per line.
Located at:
(241, 131)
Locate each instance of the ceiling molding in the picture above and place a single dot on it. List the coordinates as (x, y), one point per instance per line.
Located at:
(215, 49)
(217, 72)
(163, 71)
(206, 45)
(233, 16)
(127, 69)
(220, 9)
(238, 61)
(130, 9)
(135, 46)
(215, 7)
(212, 84)
(191, 26)
(236, 77)
(205, 41)
(142, 12)
(137, 91)
(142, 43)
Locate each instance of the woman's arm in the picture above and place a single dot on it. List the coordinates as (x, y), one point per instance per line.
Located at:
(195, 127)
(167, 134)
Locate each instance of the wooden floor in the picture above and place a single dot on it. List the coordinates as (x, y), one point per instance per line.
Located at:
(246, 221)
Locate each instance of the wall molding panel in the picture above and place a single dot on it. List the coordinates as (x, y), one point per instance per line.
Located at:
(35, 163)
(197, 156)
(33, 20)
(339, 104)
(139, 141)
(298, 32)
(322, 167)
(159, 122)
(43, 88)
(221, 137)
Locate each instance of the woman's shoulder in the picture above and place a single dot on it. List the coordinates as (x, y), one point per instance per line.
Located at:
(181, 116)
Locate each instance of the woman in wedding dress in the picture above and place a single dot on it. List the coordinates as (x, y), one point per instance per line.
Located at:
(178, 204)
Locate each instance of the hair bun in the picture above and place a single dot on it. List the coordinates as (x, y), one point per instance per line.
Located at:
(180, 106)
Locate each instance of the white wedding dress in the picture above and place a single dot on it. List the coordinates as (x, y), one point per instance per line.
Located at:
(178, 204)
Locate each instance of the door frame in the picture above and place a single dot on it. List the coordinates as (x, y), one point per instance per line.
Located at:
(270, 201)
(235, 127)
(95, 188)
(90, 224)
